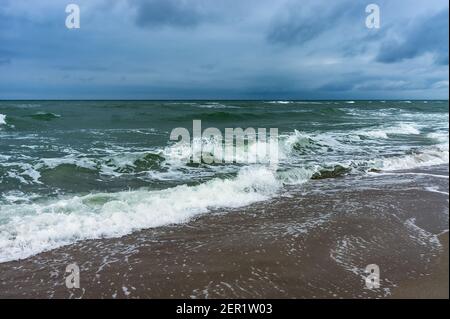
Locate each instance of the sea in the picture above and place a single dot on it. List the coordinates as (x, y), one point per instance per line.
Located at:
(78, 170)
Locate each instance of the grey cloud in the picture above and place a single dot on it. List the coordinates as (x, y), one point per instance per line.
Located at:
(178, 13)
(440, 85)
(429, 35)
(391, 83)
(336, 87)
(302, 21)
(5, 61)
(229, 49)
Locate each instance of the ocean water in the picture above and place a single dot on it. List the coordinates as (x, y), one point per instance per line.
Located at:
(74, 170)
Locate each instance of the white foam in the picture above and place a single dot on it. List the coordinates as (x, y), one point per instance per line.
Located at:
(215, 105)
(279, 102)
(314, 142)
(422, 236)
(18, 196)
(44, 226)
(68, 160)
(298, 138)
(24, 172)
(384, 132)
(434, 189)
(436, 155)
(310, 102)
(441, 137)
(2, 119)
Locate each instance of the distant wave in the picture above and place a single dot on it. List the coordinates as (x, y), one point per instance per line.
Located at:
(280, 102)
(384, 132)
(219, 116)
(174, 160)
(27, 105)
(216, 105)
(42, 116)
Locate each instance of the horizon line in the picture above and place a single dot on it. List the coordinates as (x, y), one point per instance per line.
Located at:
(231, 100)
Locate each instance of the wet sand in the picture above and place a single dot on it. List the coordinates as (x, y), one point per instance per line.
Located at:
(433, 286)
(314, 241)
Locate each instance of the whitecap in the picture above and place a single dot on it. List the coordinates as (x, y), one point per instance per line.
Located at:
(435, 155)
(55, 223)
(2, 119)
(384, 132)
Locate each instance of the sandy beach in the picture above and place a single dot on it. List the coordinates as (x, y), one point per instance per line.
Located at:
(431, 286)
(308, 243)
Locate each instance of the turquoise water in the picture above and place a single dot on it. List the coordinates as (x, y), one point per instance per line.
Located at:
(72, 170)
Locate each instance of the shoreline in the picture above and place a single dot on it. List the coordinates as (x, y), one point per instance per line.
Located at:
(311, 242)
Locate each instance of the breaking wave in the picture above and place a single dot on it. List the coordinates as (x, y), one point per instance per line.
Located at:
(385, 132)
(2, 119)
(56, 223)
(302, 156)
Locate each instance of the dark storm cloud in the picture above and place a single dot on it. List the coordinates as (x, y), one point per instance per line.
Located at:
(302, 21)
(337, 86)
(428, 35)
(392, 83)
(224, 49)
(399, 39)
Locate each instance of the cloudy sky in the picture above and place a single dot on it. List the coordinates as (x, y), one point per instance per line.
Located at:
(224, 49)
